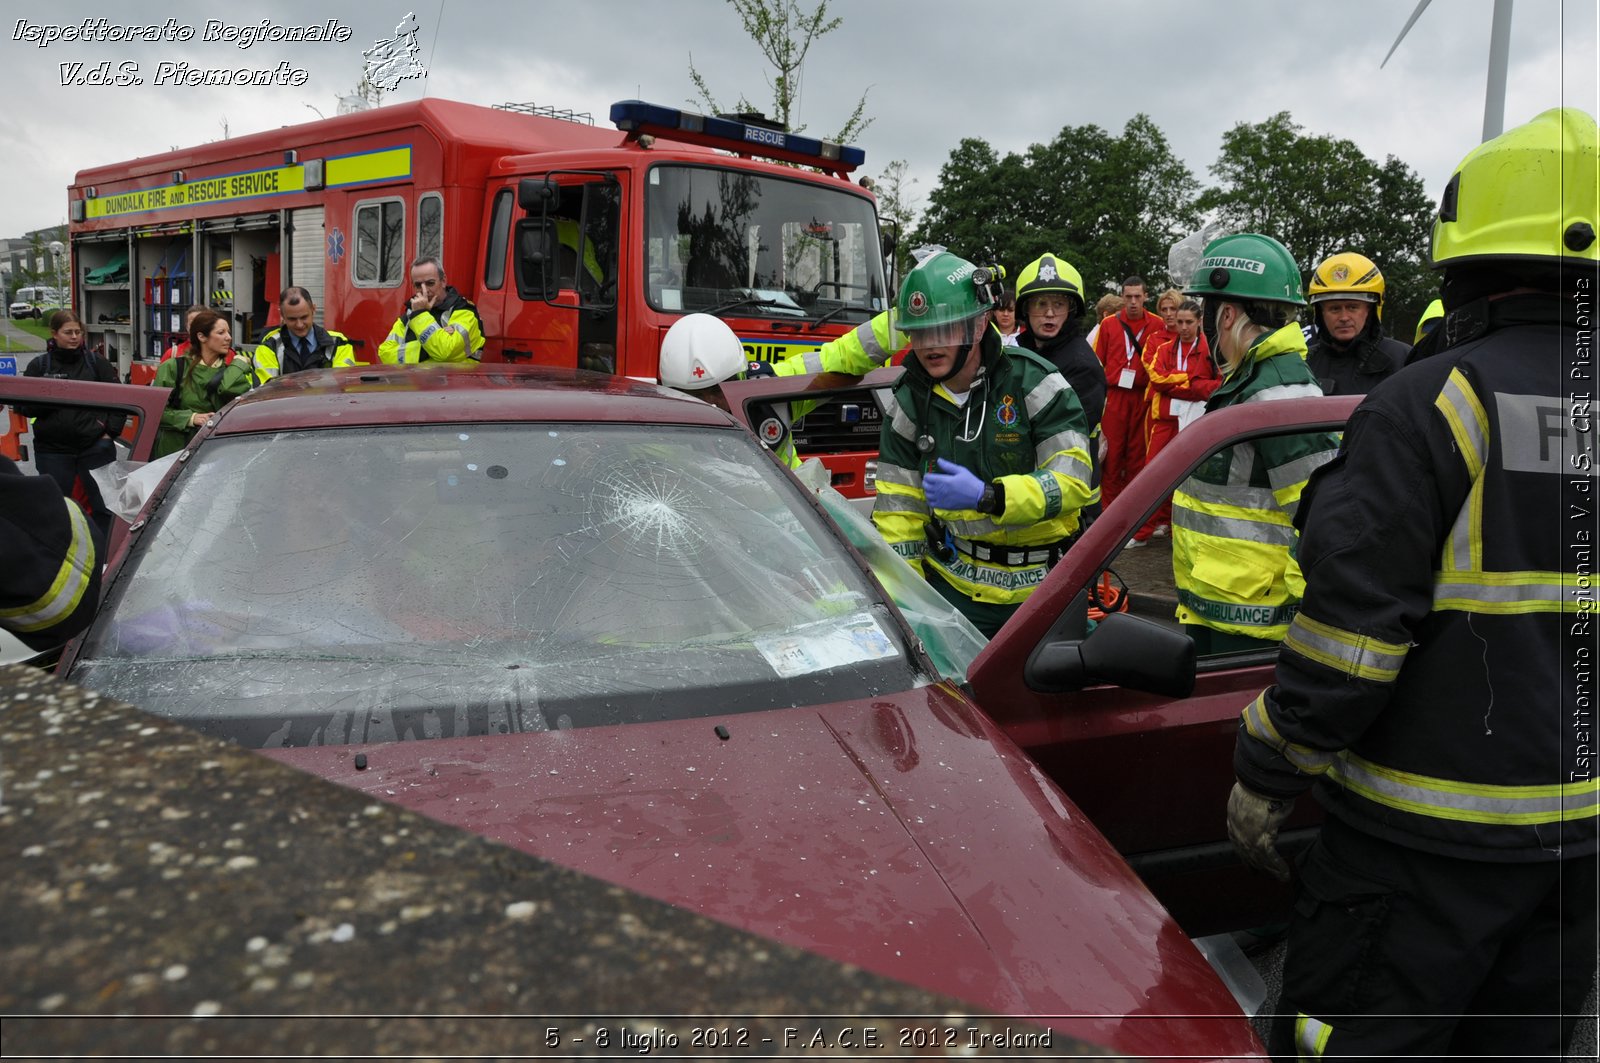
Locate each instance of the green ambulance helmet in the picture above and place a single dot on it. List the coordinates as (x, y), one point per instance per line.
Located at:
(939, 303)
(1247, 267)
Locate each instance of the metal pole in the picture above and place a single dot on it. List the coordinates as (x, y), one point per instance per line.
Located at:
(1494, 99)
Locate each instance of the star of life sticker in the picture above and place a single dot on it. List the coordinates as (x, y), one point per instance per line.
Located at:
(393, 61)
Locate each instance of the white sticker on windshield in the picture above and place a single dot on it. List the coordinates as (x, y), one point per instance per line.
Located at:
(830, 644)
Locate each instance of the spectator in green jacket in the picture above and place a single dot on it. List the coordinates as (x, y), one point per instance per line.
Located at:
(206, 378)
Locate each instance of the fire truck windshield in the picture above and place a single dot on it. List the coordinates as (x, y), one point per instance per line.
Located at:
(773, 247)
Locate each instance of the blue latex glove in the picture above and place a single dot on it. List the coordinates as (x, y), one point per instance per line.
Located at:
(952, 487)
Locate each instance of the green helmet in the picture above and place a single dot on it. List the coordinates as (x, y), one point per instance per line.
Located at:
(938, 299)
(1528, 194)
(1247, 267)
(1051, 273)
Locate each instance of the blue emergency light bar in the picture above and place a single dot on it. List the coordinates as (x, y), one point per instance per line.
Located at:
(745, 138)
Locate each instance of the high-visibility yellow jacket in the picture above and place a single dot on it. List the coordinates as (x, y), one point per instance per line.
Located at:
(1438, 680)
(449, 332)
(1233, 535)
(278, 354)
(864, 348)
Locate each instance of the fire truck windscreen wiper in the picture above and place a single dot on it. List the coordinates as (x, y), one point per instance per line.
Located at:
(823, 319)
(735, 304)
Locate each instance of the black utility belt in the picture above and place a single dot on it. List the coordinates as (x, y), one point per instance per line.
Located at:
(1040, 554)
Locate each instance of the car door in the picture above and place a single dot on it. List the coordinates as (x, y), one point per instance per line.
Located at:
(141, 403)
(1141, 737)
(143, 406)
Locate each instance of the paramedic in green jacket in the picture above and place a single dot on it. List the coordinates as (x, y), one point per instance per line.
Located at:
(1233, 534)
(984, 456)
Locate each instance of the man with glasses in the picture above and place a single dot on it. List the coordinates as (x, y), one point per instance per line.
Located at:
(984, 456)
(438, 325)
(300, 343)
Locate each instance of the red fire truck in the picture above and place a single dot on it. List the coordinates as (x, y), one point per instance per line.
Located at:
(580, 245)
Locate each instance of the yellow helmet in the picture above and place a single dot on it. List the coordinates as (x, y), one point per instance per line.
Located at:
(1434, 313)
(1051, 273)
(1347, 275)
(1529, 194)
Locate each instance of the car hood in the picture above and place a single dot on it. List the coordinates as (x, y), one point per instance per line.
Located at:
(905, 835)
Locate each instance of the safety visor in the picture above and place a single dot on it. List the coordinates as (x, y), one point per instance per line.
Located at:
(950, 334)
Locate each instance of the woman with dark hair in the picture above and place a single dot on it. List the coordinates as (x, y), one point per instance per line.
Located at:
(68, 441)
(206, 378)
(1005, 318)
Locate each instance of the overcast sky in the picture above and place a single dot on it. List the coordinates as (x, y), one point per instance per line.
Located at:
(934, 72)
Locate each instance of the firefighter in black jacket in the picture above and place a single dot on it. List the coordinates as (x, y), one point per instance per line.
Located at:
(68, 441)
(1350, 354)
(1437, 681)
(50, 582)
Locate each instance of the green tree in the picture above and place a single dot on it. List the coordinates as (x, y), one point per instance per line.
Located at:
(1111, 205)
(897, 208)
(784, 34)
(1320, 195)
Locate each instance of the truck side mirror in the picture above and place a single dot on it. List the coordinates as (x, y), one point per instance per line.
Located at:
(536, 194)
(538, 274)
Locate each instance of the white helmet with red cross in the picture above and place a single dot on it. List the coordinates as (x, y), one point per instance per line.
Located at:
(698, 351)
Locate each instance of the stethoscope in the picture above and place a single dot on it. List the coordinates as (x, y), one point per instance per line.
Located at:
(925, 443)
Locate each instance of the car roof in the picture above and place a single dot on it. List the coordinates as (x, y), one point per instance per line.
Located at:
(369, 396)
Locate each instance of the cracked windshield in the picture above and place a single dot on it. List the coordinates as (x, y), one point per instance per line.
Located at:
(433, 581)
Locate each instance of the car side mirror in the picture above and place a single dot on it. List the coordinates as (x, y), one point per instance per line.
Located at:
(1122, 650)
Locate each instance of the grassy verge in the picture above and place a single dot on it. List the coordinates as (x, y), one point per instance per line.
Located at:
(35, 326)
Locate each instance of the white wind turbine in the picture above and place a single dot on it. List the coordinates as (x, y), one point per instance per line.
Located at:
(1494, 100)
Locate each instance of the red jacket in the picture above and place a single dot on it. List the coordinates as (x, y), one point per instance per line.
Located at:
(1115, 351)
(1190, 375)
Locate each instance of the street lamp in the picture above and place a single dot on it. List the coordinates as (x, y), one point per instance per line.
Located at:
(57, 248)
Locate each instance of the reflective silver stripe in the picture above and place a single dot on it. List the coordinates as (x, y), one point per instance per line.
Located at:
(1311, 1036)
(1067, 465)
(66, 590)
(1468, 422)
(869, 343)
(1466, 802)
(1284, 391)
(904, 426)
(1357, 656)
(1251, 531)
(984, 553)
(1058, 443)
(1257, 498)
(395, 337)
(1300, 469)
(893, 503)
(1242, 466)
(427, 332)
(812, 360)
(1044, 391)
(973, 529)
(895, 474)
(1506, 592)
(1258, 723)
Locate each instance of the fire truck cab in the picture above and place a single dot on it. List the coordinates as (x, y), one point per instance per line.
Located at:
(579, 245)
